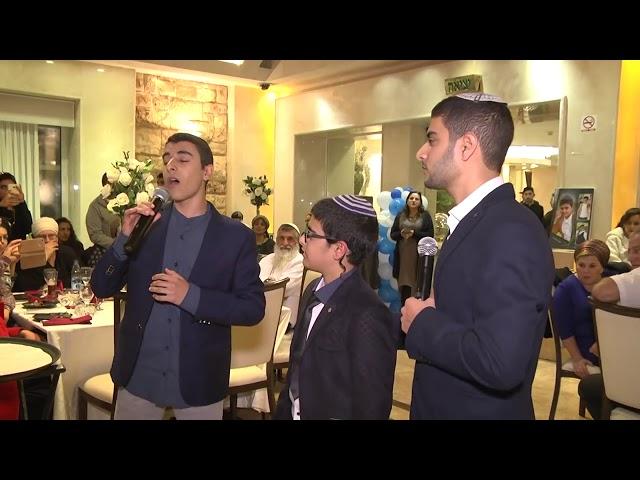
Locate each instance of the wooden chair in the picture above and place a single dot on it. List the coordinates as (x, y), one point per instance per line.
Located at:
(100, 390)
(563, 370)
(281, 356)
(252, 348)
(618, 336)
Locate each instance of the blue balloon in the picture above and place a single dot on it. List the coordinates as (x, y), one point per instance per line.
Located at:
(385, 283)
(396, 206)
(386, 246)
(395, 306)
(396, 193)
(382, 231)
(386, 294)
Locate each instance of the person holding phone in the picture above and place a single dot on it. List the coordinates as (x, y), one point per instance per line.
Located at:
(13, 207)
(58, 256)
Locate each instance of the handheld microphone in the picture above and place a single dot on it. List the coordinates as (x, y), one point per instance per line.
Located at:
(427, 248)
(160, 196)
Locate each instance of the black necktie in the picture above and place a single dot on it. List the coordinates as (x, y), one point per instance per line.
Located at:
(298, 347)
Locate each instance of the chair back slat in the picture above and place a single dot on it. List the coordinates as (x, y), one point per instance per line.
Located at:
(618, 336)
(254, 345)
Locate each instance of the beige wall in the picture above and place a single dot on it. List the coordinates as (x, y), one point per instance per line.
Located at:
(251, 153)
(104, 119)
(591, 87)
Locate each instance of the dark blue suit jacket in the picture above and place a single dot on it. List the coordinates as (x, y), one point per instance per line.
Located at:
(477, 351)
(227, 273)
(349, 359)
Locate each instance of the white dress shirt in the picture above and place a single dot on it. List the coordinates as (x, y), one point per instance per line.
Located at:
(566, 228)
(292, 270)
(457, 213)
(629, 288)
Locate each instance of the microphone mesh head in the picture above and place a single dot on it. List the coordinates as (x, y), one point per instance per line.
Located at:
(427, 246)
(162, 193)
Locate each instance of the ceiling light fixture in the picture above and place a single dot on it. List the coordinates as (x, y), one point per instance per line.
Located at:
(101, 70)
(49, 61)
(235, 62)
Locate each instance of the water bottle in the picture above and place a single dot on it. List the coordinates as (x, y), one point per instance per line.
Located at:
(76, 278)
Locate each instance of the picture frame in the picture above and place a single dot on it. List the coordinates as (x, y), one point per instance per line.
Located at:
(571, 219)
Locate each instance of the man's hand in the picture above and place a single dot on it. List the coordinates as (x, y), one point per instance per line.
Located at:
(412, 307)
(132, 216)
(580, 367)
(29, 335)
(17, 194)
(50, 248)
(169, 287)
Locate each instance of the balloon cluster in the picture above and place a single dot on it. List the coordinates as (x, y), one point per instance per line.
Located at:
(391, 204)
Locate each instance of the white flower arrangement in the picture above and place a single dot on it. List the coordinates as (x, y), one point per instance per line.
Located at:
(257, 191)
(130, 183)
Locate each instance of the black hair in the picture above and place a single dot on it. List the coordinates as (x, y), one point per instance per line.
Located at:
(72, 236)
(105, 179)
(359, 232)
(237, 215)
(565, 200)
(7, 176)
(490, 122)
(206, 155)
(406, 203)
(527, 189)
(627, 216)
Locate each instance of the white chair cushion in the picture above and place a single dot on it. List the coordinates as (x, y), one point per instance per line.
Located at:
(247, 376)
(620, 413)
(591, 368)
(282, 354)
(100, 387)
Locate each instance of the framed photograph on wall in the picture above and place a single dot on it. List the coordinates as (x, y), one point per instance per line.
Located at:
(571, 223)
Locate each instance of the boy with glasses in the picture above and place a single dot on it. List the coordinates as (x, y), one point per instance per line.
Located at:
(343, 352)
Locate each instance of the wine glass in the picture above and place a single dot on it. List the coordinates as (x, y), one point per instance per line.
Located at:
(86, 294)
(85, 275)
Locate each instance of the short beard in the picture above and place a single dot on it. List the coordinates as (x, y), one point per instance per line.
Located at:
(282, 257)
(442, 173)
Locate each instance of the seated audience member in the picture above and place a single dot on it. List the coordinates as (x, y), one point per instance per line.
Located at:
(285, 261)
(237, 216)
(9, 250)
(618, 238)
(624, 289)
(264, 242)
(59, 257)
(67, 236)
(13, 207)
(571, 309)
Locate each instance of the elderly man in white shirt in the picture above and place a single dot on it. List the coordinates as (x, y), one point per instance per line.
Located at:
(285, 261)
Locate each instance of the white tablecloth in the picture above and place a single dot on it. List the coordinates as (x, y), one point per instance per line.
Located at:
(86, 350)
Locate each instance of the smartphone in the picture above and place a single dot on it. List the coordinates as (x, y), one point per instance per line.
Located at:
(13, 188)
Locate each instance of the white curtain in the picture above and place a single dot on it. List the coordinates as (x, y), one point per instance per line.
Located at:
(19, 155)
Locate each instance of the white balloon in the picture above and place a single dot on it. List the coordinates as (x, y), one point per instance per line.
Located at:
(404, 195)
(385, 270)
(383, 200)
(385, 218)
(394, 284)
(425, 202)
(382, 258)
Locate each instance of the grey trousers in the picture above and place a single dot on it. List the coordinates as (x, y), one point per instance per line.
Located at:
(130, 407)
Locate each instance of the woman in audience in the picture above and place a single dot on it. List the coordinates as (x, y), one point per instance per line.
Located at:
(618, 238)
(264, 242)
(571, 309)
(9, 251)
(413, 223)
(67, 236)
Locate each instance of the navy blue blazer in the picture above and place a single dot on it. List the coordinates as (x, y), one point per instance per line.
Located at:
(477, 351)
(231, 293)
(349, 359)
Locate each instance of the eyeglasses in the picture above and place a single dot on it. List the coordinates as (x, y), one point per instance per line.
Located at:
(307, 234)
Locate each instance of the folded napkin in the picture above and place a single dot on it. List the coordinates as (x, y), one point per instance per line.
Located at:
(33, 296)
(67, 321)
